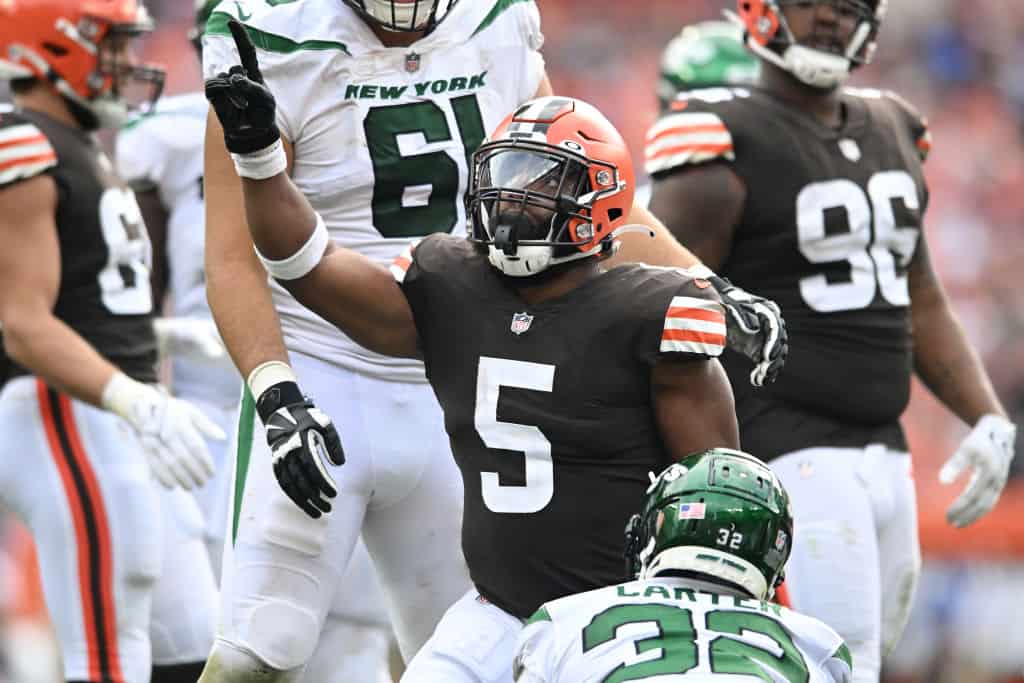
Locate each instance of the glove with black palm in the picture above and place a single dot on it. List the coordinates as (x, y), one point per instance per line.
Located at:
(755, 329)
(246, 110)
(302, 441)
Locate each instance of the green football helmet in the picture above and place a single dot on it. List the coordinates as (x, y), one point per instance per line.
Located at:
(720, 514)
(203, 10)
(704, 55)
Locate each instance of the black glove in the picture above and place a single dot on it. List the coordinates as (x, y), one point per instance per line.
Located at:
(302, 440)
(244, 105)
(754, 328)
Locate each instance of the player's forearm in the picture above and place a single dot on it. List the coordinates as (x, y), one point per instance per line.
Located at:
(51, 350)
(247, 321)
(949, 366)
(661, 250)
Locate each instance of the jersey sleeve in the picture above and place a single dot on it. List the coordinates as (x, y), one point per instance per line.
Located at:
(535, 651)
(840, 665)
(687, 137)
(683, 318)
(140, 160)
(534, 38)
(25, 152)
(917, 124)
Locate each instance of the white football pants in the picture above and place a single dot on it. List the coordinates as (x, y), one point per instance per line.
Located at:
(399, 487)
(76, 476)
(856, 556)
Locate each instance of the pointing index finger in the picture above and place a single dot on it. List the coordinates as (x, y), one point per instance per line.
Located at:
(246, 51)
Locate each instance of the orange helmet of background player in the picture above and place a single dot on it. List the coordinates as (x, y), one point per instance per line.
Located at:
(70, 44)
(553, 184)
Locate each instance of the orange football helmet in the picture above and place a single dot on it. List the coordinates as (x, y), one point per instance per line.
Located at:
(821, 60)
(77, 46)
(553, 184)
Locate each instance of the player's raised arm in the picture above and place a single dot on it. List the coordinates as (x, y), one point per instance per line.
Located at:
(342, 286)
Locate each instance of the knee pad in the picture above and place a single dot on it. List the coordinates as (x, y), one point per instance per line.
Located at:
(280, 624)
(230, 664)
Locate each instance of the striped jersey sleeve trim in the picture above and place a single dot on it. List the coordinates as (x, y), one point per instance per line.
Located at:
(687, 138)
(694, 325)
(400, 266)
(924, 144)
(24, 152)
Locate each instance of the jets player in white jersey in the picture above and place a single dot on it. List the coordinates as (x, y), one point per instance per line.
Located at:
(380, 104)
(161, 155)
(710, 546)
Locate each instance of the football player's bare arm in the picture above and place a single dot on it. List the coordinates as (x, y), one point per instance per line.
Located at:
(236, 282)
(544, 89)
(345, 288)
(661, 250)
(693, 406)
(29, 281)
(943, 357)
(701, 207)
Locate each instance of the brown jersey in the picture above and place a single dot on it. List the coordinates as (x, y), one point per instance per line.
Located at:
(104, 292)
(831, 223)
(548, 408)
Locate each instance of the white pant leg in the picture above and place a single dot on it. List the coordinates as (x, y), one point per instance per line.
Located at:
(354, 642)
(474, 643)
(899, 547)
(281, 567)
(844, 501)
(414, 518)
(80, 483)
(214, 496)
(185, 596)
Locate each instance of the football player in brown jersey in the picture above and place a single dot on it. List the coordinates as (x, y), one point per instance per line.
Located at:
(813, 194)
(80, 409)
(562, 384)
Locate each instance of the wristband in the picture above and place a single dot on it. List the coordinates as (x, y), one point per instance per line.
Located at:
(262, 164)
(304, 260)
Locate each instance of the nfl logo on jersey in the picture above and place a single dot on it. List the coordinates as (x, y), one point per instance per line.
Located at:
(412, 62)
(521, 322)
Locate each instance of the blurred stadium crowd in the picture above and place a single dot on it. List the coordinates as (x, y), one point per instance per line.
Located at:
(961, 62)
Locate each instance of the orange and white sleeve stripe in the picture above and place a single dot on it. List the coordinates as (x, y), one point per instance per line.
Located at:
(694, 325)
(24, 152)
(686, 138)
(924, 144)
(400, 266)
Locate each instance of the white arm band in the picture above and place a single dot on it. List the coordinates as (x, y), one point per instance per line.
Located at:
(267, 375)
(304, 260)
(261, 164)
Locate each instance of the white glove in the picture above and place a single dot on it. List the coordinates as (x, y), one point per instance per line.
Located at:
(988, 450)
(194, 338)
(171, 430)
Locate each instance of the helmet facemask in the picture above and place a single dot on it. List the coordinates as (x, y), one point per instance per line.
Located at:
(123, 87)
(403, 17)
(530, 204)
(825, 58)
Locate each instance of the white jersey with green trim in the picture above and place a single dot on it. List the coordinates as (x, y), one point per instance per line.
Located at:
(382, 136)
(163, 151)
(664, 629)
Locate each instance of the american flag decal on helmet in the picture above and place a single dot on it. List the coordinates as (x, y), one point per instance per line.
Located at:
(694, 325)
(533, 119)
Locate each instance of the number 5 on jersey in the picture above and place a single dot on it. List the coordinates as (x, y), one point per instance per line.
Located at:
(492, 374)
